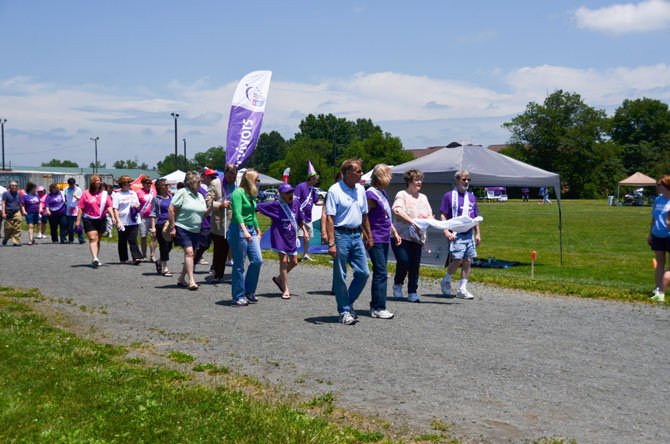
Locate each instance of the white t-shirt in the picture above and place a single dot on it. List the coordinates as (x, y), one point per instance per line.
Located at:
(72, 196)
(122, 201)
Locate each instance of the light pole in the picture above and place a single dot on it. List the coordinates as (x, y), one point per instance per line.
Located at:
(95, 165)
(185, 161)
(176, 116)
(2, 123)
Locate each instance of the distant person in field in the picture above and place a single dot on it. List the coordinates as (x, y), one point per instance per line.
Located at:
(525, 193)
(462, 246)
(659, 237)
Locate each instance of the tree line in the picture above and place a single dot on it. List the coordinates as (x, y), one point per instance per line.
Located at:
(590, 150)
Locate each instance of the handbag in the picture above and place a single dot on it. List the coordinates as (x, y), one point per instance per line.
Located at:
(166, 232)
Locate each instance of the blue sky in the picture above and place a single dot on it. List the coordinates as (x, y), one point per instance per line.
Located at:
(428, 72)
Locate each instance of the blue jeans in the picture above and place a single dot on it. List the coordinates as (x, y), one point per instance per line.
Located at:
(379, 254)
(350, 249)
(408, 259)
(70, 229)
(244, 284)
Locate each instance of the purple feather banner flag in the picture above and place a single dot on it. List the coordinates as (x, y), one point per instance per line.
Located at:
(246, 116)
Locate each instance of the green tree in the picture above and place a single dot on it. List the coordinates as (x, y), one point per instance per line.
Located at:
(271, 147)
(97, 165)
(642, 128)
(378, 148)
(60, 163)
(566, 136)
(130, 164)
(215, 157)
(166, 166)
(297, 157)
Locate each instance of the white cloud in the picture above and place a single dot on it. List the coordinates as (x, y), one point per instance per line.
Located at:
(625, 18)
(421, 110)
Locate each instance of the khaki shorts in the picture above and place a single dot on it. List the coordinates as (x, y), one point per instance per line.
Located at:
(145, 227)
(310, 230)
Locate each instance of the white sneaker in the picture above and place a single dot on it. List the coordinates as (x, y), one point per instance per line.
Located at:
(657, 291)
(382, 314)
(413, 297)
(306, 258)
(397, 291)
(347, 319)
(241, 302)
(96, 263)
(229, 263)
(660, 297)
(464, 294)
(446, 287)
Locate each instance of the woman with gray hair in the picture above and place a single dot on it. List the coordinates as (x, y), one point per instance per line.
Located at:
(185, 217)
(409, 204)
(379, 217)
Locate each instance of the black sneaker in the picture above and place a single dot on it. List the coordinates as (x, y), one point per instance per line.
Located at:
(251, 298)
(4, 242)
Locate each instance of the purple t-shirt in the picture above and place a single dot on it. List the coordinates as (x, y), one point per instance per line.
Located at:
(159, 209)
(31, 203)
(307, 199)
(283, 236)
(446, 206)
(55, 202)
(379, 217)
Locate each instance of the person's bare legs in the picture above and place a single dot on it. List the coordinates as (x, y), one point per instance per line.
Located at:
(187, 269)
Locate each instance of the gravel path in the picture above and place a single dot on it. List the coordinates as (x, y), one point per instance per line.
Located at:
(507, 367)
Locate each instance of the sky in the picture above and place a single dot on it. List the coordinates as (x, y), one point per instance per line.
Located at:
(428, 72)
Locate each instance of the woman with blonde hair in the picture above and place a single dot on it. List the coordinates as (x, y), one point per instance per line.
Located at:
(185, 215)
(93, 206)
(243, 236)
(379, 217)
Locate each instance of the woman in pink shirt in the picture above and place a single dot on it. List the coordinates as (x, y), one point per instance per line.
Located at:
(93, 207)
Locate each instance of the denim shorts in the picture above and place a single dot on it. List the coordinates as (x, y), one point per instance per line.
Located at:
(463, 247)
(187, 239)
(31, 218)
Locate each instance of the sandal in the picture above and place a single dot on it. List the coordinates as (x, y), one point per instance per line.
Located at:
(286, 296)
(167, 274)
(276, 281)
(181, 283)
(159, 269)
(193, 287)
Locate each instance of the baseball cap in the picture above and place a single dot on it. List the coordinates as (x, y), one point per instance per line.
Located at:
(286, 188)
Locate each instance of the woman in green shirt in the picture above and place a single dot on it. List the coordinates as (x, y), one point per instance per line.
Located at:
(244, 238)
(185, 217)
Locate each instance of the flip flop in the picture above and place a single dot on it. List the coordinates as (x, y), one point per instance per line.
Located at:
(167, 274)
(274, 279)
(181, 284)
(286, 296)
(193, 287)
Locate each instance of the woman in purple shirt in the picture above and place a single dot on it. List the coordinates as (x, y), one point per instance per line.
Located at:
(30, 204)
(287, 220)
(159, 217)
(379, 217)
(56, 213)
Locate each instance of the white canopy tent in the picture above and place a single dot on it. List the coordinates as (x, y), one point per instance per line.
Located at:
(486, 167)
(636, 180)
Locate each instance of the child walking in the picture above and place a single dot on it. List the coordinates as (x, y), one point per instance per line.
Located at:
(286, 218)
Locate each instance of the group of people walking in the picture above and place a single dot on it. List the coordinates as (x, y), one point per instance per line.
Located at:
(210, 208)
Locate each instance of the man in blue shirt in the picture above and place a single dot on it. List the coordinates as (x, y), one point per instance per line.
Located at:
(348, 234)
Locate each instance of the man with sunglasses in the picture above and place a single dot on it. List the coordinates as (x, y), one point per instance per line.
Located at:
(462, 246)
